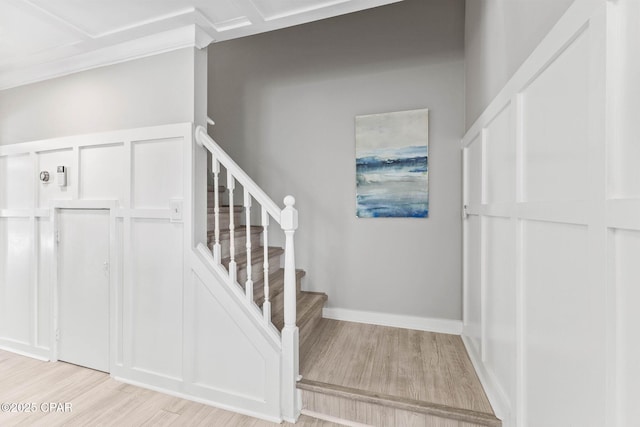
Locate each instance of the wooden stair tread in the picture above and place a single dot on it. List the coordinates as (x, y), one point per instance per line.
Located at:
(402, 403)
(225, 209)
(276, 285)
(241, 230)
(307, 303)
(257, 255)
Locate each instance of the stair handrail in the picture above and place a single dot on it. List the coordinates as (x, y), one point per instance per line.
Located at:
(287, 218)
(204, 140)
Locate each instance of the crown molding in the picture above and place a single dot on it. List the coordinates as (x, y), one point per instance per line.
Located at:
(187, 36)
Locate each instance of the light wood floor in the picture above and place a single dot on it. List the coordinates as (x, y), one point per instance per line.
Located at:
(409, 364)
(98, 400)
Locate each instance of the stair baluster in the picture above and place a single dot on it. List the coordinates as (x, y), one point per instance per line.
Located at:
(247, 210)
(266, 306)
(216, 208)
(233, 271)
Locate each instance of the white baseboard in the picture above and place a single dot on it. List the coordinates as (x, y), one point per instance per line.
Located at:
(193, 398)
(443, 326)
(39, 354)
(495, 393)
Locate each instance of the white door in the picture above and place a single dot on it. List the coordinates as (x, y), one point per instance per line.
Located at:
(83, 285)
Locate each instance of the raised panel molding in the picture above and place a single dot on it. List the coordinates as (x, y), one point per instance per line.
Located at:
(537, 282)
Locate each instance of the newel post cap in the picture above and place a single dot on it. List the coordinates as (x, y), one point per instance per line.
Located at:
(289, 215)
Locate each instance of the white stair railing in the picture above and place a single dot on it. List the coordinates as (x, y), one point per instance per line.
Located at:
(287, 218)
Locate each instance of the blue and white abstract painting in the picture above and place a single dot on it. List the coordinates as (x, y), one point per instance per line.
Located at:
(392, 174)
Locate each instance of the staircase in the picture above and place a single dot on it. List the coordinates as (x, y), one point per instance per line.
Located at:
(309, 304)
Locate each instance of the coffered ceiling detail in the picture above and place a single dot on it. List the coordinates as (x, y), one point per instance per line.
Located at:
(41, 39)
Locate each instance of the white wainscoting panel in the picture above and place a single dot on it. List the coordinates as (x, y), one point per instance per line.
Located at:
(555, 143)
(500, 158)
(101, 174)
(500, 304)
(473, 306)
(15, 279)
(211, 365)
(16, 171)
(627, 279)
(155, 300)
(200, 343)
(44, 244)
(49, 161)
(536, 249)
(563, 328)
(157, 165)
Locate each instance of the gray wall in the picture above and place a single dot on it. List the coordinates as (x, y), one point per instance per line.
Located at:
(499, 36)
(284, 104)
(143, 92)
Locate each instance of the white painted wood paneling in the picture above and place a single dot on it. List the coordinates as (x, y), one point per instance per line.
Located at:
(500, 297)
(564, 329)
(211, 365)
(157, 165)
(44, 244)
(161, 334)
(49, 161)
(551, 333)
(15, 279)
(101, 176)
(155, 300)
(555, 143)
(627, 277)
(500, 159)
(473, 306)
(15, 171)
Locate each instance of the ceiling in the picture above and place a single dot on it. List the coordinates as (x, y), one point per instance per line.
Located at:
(40, 39)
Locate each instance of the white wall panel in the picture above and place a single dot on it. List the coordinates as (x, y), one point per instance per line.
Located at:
(102, 175)
(500, 300)
(627, 277)
(500, 158)
(564, 329)
(15, 279)
(474, 172)
(157, 172)
(49, 161)
(44, 244)
(156, 296)
(473, 304)
(216, 367)
(15, 171)
(556, 118)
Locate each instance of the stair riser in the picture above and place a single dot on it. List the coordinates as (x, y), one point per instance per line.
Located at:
(224, 220)
(257, 269)
(369, 413)
(240, 244)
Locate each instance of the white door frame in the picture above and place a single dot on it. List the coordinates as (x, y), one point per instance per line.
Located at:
(56, 206)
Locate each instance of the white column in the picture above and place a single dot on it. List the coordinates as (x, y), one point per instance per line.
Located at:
(290, 335)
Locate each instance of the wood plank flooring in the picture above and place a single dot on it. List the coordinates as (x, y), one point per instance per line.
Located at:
(409, 364)
(98, 400)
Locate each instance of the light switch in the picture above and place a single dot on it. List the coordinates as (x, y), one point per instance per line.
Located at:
(176, 210)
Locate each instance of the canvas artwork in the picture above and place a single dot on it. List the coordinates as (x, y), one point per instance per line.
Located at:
(392, 176)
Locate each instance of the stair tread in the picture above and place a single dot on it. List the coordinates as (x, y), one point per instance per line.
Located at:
(241, 230)
(402, 403)
(306, 303)
(257, 254)
(225, 208)
(276, 285)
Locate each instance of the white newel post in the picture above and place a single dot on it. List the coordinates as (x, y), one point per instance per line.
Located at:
(290, 339)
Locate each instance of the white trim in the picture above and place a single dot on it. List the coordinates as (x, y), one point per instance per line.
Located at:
(193, 398)
(495, 394)
(179, 38)
(331, 419)
(25, 353)
(443, 326)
